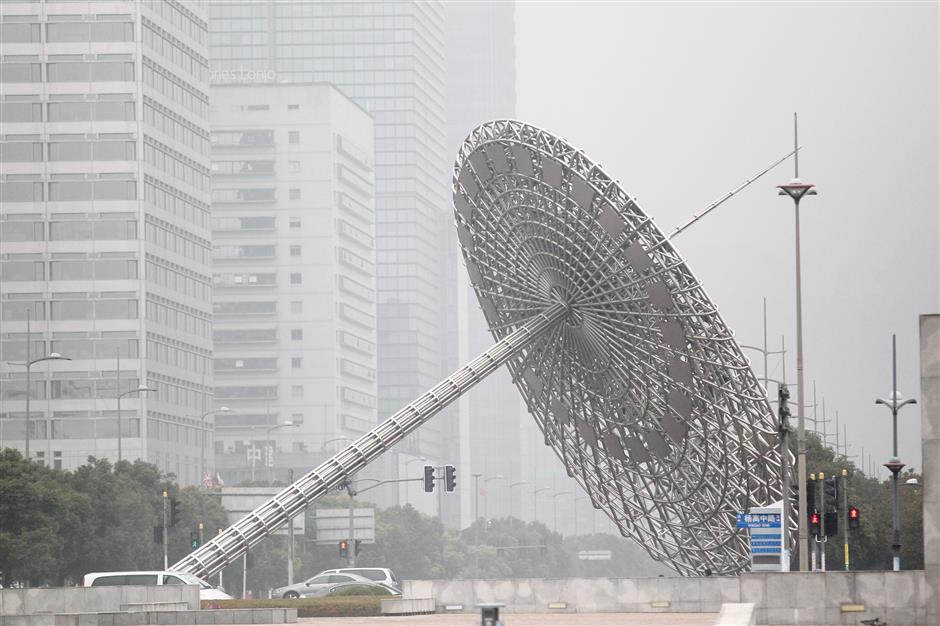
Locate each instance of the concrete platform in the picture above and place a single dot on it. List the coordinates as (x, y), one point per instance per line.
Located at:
(155, 618)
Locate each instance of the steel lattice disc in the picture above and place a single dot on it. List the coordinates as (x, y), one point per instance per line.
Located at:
(641, 390)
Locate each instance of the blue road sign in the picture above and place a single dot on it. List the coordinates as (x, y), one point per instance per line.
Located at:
(758, 520)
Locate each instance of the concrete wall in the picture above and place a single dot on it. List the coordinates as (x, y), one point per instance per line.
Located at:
(930, 442)
(896, 597)
(92, 599)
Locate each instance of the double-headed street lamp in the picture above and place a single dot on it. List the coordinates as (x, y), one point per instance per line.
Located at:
(55, 356)
(139, 389)
(894, 464)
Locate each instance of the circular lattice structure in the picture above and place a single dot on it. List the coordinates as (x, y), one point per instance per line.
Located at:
(640, 389)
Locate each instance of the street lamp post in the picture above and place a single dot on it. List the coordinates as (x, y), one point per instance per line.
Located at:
(555, 508)
(535, 502)
(521, 482)
(139, 389)
(476, 495)
(202, 446)
(267, 443)
(486, 498)
(422, 459)
(796, 189)
(29, 364)
(894, 464)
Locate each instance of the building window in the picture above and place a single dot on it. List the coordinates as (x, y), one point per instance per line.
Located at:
(296, 306)
(295, 250)
(295, 278)
(293, 107)
(293, 193)
(296, 362)
(296, 391)
(297, 418)
(293, 136)
(297, 334)
(293, 167)
(294, 222)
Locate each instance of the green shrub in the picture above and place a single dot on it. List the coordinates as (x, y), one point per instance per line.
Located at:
(349, 606)
(361, 590)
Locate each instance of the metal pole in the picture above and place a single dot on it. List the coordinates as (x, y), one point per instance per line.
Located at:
(896, 469)
(845, 518)
(821, 490)
(29, 391)
(245, 575)
(221, 584)
(119, 405)
(801, 424)
(785, 505)
(350, 548)
(476, 498)
(290, 537)
(166, 522)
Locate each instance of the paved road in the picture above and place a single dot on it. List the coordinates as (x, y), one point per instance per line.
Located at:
(525, 619)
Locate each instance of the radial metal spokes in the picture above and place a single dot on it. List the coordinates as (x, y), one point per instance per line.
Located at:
(642, 391)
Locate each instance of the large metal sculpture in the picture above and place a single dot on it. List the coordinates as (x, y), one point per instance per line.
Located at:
(624, 362)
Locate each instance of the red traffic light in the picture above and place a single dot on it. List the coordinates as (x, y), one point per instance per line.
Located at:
(814, 518)
(855, 517)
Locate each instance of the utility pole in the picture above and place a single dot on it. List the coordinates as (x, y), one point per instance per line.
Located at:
(166, 521)
(821, 493)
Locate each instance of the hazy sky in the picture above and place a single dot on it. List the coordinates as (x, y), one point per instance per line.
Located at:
(682, 102)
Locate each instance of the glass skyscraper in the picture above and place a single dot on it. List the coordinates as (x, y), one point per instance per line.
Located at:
(105, 232)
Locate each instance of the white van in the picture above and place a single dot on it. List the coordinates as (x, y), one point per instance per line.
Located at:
(105, 579)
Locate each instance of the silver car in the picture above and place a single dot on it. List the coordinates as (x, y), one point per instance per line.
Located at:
(317, 584)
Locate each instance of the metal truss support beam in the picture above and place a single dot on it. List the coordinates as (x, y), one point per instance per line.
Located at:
(235, 540)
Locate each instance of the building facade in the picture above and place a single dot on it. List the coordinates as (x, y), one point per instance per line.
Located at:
(389, 57)
(294, 276)
(105, 232)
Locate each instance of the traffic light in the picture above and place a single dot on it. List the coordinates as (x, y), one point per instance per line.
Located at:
(174, 511)
(450, 478)
(854, 517)
(814, 523)
(783, 409)
(811, 492)
(344, 549)
(158, 534)
(428, 478)
(194, 539)
(831, 495)
(358, 544)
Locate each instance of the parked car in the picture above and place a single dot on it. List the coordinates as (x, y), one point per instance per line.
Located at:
(376, 574)
(104, 579)
(320, 582)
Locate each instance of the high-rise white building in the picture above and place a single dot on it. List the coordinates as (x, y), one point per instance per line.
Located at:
(294, 276)
(389, 57)
(105, 231)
